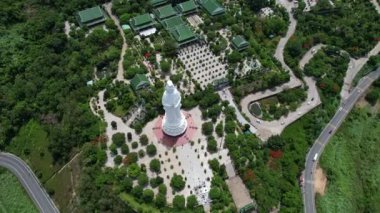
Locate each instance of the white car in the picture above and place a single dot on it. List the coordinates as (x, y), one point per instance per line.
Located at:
(282, 123)
(308, 103)
(313, 50)
(258, 121)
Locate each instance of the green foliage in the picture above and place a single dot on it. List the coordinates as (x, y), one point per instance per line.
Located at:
(144, 140)
(214, 165)
(12, 196)
(134, 171)
(118, 160)
(179, 202)
(160, 200)
(219, 129)
(207, 128)
(192, 202)
(113, 149)
(155, 165)
(143, 179)
(151, 150)
(177, 182)
(165, 66)
(135, 145)
(212, 146)
(353, 185)
(132, 157)
(118, 139)
(148, 195)
(162, 189)
(372, 96)
(275, 142)
(124, 149)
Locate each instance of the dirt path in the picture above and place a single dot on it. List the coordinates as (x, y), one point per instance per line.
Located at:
(320, 181)
(120, 70)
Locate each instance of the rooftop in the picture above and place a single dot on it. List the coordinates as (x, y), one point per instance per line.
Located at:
(182, 33)
(156, 3)
(164, 12)
(91, 16)
(141, 22)
(186, 7)
(212, 7)
(239, 42)
(172, 22)
(139, 81)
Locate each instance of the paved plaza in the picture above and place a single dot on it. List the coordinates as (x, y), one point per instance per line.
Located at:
(203, 65)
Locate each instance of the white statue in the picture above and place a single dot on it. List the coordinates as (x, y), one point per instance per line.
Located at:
(174, 122)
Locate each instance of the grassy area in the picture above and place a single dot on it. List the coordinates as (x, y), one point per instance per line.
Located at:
(255, 109)
(140, 207)
(13, 198)
(31, 144)
(64, 185)
(352, 164)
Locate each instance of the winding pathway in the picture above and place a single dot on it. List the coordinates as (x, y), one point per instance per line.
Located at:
(120, 70)
(29, 181)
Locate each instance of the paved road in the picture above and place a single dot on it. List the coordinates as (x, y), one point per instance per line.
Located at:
(327, 133)
(29, 181)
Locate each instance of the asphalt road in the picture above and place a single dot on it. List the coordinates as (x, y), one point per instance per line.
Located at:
(29, 181)
(327, 133)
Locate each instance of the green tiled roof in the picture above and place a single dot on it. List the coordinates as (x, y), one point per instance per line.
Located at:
(238, 42)
(156, 3)
(212, 7)
(164, 12)
(91, 16)
(141, 22)
(186, 7)
(139, 81)
(183, 34)
(172, 22)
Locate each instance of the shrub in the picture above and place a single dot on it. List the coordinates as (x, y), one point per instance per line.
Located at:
(177, 183)
(151, 150)
(117, 160)
(144, 140)
(207, 128)
(155, 165)
(134, 145)
(179, 202)
(124, 149)
(118, 139)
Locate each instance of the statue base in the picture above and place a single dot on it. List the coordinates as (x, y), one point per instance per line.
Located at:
(174, 130)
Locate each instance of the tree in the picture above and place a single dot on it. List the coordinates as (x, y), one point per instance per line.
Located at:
(169, 49)
(214, 165)
(230, 126)
(179, 202)
(124, 149)
(191, 202)
(215, 193)
(134, 171)
(162, 189)
(234, 57)
(160, 200)
(276, 142)
(207, 128)
(165, 66)
(372, 97)
(219, 129)
(144, 140)
(148, 195)
(151, 150)
(212, 146)
(143, 179)
(256, 5)
(132, 157)
(118, 139)
(155, 165)
(137, 191)
(114, 125)
(177, 183)
(134, 145)
(117, 160)
(113, 149)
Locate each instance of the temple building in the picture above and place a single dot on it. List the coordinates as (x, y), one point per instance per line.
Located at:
(91, 16)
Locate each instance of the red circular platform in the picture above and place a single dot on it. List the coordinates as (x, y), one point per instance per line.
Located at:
(178, 140)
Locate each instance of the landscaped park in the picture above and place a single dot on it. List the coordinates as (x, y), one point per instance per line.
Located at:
(86, 103)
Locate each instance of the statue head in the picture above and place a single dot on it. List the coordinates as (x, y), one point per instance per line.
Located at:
(169, 87)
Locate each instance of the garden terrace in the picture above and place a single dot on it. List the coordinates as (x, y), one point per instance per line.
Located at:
(164, 12)
(91, 16)
(187, 7)
(239, 43)
(212, 7)
(141, 22)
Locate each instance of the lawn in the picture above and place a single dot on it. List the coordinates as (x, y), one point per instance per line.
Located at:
(141, 207)
(13, 198)
(31, 144)
(64, 185)
(351, 162)
(255, 109)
